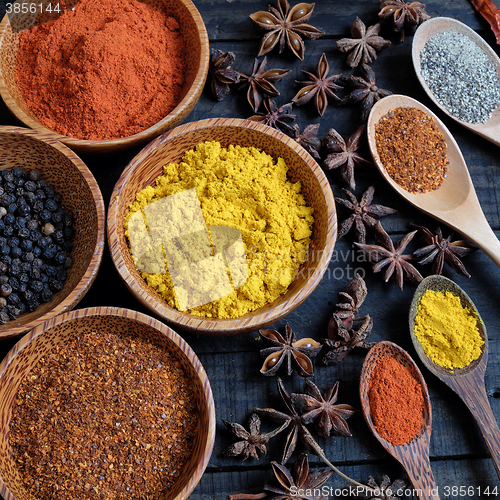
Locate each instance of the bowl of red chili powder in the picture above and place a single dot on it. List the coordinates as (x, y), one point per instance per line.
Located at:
(103, 402)
(61, 172)
(101, 76)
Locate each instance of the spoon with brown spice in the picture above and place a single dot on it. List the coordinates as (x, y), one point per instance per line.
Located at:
(413, 456)
(467, 382)
(455, 202)
(490, 129)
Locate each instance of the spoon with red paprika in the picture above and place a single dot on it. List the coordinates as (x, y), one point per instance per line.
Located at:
(455, 202)
(467, 382)
(413, 455)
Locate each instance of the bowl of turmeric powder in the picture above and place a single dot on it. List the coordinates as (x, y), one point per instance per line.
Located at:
(222, 226)
(101, 77)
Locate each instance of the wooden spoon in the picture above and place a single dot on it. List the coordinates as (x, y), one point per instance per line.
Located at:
(467, 382)
(490, 129)
(413, 456)
(455, 203)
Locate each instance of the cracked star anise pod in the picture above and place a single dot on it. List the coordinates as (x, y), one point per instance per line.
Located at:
(386, 490)
(278, 118)
(343, 155)
(252, 443)
(297, 483)
(287, 349)
(260, 82)
(363, 213)
(404, 15)
(349, 303)
(222, 76)
(322, 410)
(320, 86)
(440, 250)
(363, 45)
(386, 253)
(286, 26)
(365, 91)
(308, 139)
(346, 340)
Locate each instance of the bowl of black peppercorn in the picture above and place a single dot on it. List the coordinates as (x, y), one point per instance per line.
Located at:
(52, 222)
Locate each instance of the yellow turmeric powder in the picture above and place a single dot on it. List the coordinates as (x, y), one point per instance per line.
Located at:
(447, 332)
(241, 189)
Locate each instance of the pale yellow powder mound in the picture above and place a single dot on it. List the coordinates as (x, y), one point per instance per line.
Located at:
(447, 331)
(244, 188)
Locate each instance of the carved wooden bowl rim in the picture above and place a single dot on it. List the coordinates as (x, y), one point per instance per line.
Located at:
(88, 277)
(175, 342)
(174, 118)
(205, 129)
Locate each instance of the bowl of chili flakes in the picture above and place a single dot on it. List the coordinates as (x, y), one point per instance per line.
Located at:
(103, 400)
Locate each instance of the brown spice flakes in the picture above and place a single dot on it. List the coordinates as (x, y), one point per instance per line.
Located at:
(412, 149)
(106, 416)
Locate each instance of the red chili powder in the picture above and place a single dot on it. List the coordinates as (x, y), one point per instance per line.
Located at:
(396, 401)
(106, 69)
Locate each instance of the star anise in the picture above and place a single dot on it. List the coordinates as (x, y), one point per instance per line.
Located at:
(252, 443)
(439, 249)
(320, 86)
(278, 118)
(221, 73)
(346, 340)
(365, 92)
(261, 82)
(363, 45)
(296, 426)
(390, 255)
(322, 410)
(349, 303)
(343, 154)
(285, 25)
(297, 429)
(297, 353)
(363, 213)
(404, 15)
(308, 139)
(297, 483)
(386, 490)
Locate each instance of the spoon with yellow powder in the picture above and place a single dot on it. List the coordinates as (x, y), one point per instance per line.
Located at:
(450, 339)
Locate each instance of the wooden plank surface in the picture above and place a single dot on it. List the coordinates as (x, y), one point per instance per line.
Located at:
(459, 456)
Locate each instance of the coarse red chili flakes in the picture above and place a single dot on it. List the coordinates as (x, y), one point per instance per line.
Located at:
(412, 149)
(108, 416)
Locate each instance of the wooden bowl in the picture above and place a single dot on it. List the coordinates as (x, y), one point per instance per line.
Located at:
(196, 46)
(26, 353)
(81, 196)
(170, 147)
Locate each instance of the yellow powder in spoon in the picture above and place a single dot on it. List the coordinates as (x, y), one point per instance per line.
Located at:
(447, 331)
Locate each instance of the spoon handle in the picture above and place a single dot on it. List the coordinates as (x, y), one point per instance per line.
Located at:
(474, 396)
(414, 457)
(472, 223)
(422, 479)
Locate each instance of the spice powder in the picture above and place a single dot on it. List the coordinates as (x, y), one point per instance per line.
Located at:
(107, 416)
(412, 149)
(396, 401)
